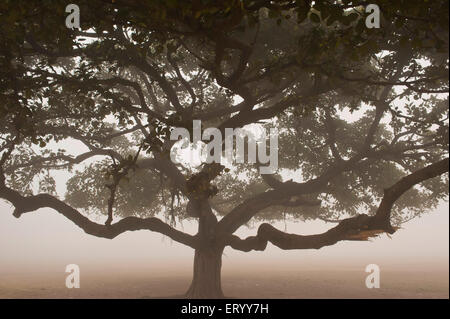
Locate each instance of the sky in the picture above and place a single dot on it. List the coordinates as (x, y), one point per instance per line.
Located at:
(45, 241)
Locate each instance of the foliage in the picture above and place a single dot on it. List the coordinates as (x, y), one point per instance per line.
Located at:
(137, 69)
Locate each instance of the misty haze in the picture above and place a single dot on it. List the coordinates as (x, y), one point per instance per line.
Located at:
(105, 169)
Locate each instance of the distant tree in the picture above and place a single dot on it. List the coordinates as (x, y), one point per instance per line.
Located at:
(134, 70)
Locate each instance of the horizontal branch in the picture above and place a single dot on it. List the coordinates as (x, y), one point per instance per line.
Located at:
(25, 204)
(345, 230)
(361, 227)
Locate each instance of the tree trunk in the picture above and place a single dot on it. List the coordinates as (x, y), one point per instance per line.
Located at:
(207, 269)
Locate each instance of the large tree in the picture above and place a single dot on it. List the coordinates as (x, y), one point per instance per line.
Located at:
(361, 113)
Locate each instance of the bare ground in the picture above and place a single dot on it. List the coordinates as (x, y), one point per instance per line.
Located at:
(260, 284)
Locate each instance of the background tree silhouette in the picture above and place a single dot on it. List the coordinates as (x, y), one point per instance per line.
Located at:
(362, 116)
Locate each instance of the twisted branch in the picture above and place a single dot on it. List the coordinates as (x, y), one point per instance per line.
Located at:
(361, 227)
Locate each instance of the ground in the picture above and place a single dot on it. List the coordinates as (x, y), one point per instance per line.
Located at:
(344, 283)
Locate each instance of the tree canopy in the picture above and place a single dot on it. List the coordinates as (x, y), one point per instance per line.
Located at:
(362, 114)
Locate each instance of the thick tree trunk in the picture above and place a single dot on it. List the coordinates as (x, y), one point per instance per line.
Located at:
(207, 270)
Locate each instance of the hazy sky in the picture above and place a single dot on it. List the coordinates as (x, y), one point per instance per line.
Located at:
(47, 241)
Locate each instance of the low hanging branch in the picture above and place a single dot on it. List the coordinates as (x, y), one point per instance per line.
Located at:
(361, 227)
(25, 204)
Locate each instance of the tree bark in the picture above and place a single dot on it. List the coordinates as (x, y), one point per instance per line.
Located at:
(206, 282)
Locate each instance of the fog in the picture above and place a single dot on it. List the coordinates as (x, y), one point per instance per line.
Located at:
(44, 241)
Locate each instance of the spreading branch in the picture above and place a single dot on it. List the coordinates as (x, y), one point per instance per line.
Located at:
(25, 204)
(361, 227)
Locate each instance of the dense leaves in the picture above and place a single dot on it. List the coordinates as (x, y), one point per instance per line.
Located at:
(85, 100)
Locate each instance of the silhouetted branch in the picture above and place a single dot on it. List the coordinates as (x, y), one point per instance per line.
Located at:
(361, 227)
(25, 204)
